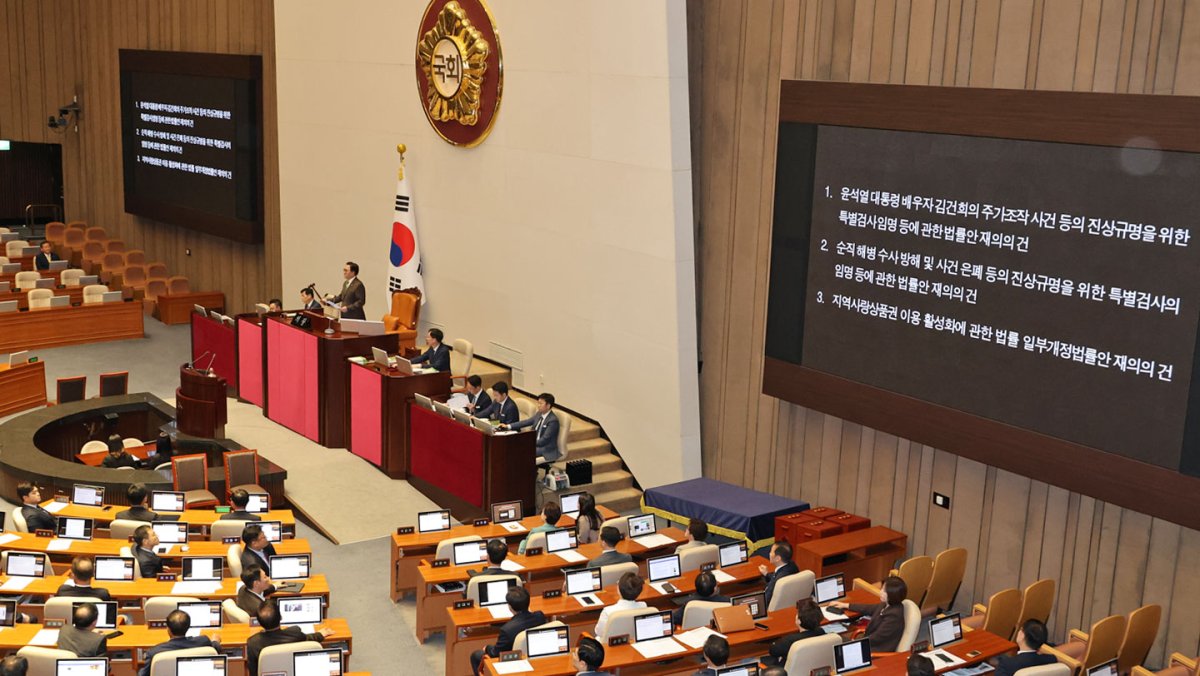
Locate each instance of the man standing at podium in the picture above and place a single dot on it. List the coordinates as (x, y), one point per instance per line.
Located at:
(353, 296)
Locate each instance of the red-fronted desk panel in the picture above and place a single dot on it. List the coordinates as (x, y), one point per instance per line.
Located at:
(214, 342)
(250, 341)
(379, 415)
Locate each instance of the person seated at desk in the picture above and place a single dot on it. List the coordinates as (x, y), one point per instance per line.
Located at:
(545, 425)
(275, 305)
(706, 590)
(163, 450)
(887, 617)
(353, 296)
(256, 587)
(178, 624)
(781, 559)
(919, 665)
(271, 634)
(239, 498)
(45, 256)
(80, 636)
(477, 398)
(256, 549)
(716, 654)
(587, 657)
(437, 355)
(35, 517)
(551, 513)
(80, 584)
(14, 665)
(137, 505)
(630, 588)
(587, 524)
(308, 300)
(144, 542)
(522, 619)
(773, 671)
(117, 455)
(1030, 638)
(497, 551)
(808, 621)
(609, 537)
(501, 408)
(697, 535)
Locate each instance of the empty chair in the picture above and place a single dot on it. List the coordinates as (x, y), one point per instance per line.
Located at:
(277, 659)
(93, 252)
(445, 548)
(1084, 651)
(158, 607)
(1178, 665)
(122, 529)
(999, 616)
(177, 285)
(56, 232)
(241, 471)
(189, 473)
(71, 389)
(1141, 628)
(44, 661)
(74, 238)
(948, 570)
(135, 257)
(1036, 602)
(403, 317)
(134, 275)
(127, 442)
(13, 248)
(94, 446)
(70, 277)
(60, 607)
(114, 384)
(611, 574)
(916, 573)
(811, 653)
(96, 233)
(164, 663)
(460, 364)
(790, 589)
(157, 271)
(226, 528)
(117, 245)
(155, 288)
(699, 613)
(26, 279)
(39, 298)
(694, 557)
(112, 262)
(94, 293)
(233, 613)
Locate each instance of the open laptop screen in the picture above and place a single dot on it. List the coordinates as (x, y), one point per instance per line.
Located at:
(650, 627)
(8, 613)
(830, 588)
(945, 630)
(272, 529)
(546, 642)
(733, 553)
(852, 655)
(74, 528)
(641, 525)
(26, 565)
(1109, 668)
(570, 503)
(106, 613)
(114, 568)
(757, 602)
(492, 593)
(87, 666)
(503, 512)
(202, 568)
(203, 614)
(663, 567)
(291, 567)
(317, 663)
(559, 540)
(466, 553)
(429, 522)
(259, 503)
(202, 665)
(166, 501)
(300, 610)
(170, 532)
(82, 494)
(583, 581)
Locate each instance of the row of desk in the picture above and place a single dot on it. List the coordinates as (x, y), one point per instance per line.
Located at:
(56, 327)
(106, 514)
(22, 386)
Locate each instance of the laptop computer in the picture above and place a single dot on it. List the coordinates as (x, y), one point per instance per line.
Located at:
(733, 553)
(25, 564)
(8, 306)
(202, 665)
(503, 512)
(8, 613)
(424, 401)
(203, 614)
(466, 553)
(739, 670)
(317, 662)
(29, 251)
(259, 308)
(1108, 668)
(562, 543)
(74, 528)
(757, 601)
(170, 532)
(166, 501)
(10, 268)
(302, 611)
(114, 568)
(653, 627)
(829, 588)
(461, 416)
(203, 568)
(291, 567)
(492, 593)
(431, 522)
(86, 280)
(547, 642)
(663, 568)
(56, 266)
(642, 525)
(5, 287)
(442, 409)
(17, 358)
(944, 631)
(44, 283)
(403, 365)
(106, 613)
(570, 504)
(272, 529)
(83, 494)
(478, 423)
(260, 503)
(111, 297)
(81, 666)
(60, 301)
(852, 655)
(583, 584)
(380, 356)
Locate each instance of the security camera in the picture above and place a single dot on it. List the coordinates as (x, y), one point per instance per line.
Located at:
(64, 114)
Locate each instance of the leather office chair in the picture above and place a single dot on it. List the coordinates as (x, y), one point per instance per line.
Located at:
(26, 280)
(157, 608)
(226, 528)
(1084, 651)
(115, 384)
(72, 389)
(277, 659)
(94, 293)
(1178, 665)
(13, 248)
(403, 316)
(1037, 602)
(700, 613)
(621, 622)
(233, 613)
(612, 573)
(74, 237)
(460, 364)
(473, 584)
(117, 245)
(164, 663)
(948, 570)
(44, 661)
(694, 557)
(70, 276)
(790, 589)
(61, 607)
(39, 298)
(520, 643)
(189, 473)
(178, 284)
(135, 257)
(122, 529)
(241, 471)
(912, 624)
(18, 522)
(999, 616)
(811, 653)
(56, 232)
(95, 233)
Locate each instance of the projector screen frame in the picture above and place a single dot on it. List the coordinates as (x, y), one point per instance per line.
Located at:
(1069, 117)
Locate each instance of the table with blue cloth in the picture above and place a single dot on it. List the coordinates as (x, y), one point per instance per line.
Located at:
(729, 510)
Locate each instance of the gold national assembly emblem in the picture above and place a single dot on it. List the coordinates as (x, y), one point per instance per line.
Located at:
(459, 70)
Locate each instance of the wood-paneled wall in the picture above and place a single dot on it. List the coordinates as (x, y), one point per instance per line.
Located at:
(55, 49)
(1018, 529)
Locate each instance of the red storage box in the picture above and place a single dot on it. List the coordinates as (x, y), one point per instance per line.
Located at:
(785, 524)
(851, 522)
(822, 513)
(815, 529)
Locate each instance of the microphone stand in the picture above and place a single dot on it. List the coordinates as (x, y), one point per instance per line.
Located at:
(328, 327)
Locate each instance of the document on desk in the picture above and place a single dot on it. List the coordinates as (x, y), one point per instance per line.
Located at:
(722, 576)
(512, 666)
(193, 588)
(56, 507)
(696, 637)
(974, 670)
(511, 566)
(45, 637)
(500, 612)
(658, 647)
(942, 659)
(510, 526)
(570, 556)
(58, 545)
(8, 537)
(832, 615)
(15, 583)
(653, 540)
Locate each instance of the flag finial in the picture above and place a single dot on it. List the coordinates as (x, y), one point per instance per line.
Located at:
(401, 148)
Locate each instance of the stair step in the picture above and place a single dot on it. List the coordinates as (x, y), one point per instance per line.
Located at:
(589, 448)
(607, 481)
(622, 501)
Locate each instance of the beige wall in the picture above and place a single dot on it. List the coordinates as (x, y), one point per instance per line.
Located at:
(566, 236)
(1105, 558)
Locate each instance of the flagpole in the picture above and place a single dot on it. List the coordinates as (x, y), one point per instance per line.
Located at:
(401, 148)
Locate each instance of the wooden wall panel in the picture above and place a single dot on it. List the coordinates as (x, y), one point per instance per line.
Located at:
(1105, 558)
(55, 49)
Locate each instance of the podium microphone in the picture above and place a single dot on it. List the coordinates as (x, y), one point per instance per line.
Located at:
(210, 363)
(193, 364)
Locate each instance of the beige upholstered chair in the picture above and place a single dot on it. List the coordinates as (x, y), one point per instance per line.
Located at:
(999, 616)
(1037, 602)
(699, 613)
(1178, 665)
(916, 573)
(94, 293)
(13, 248)
(94, 446)
(158, 607)
(233, 612)
(44, 661)
(1053, 669)
(39, 298)
(811, 653)
(61, 607)
(520, 643)
(912, 624)
(460, 363)
(226, 528)
(536, 541)
(70, 277)
(948, 570)
(621, 523)
(130, 442)
(694, 557)
(526, 407)
(1084, 651)
(621, 622)
(611, 574)
(18, 522)
(164, 662)
(233, 559)
(127, 552)
(122, 529)
(472, 590)
(445, 548)
(277, 659)
(190, 474)
(790, 589)
(26, 280)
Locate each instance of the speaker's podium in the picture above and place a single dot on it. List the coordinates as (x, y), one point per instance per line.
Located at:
(200, 409)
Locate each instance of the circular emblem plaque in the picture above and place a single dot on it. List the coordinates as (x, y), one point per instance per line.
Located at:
(459, 70)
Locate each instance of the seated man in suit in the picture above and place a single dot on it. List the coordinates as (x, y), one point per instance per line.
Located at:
(271, 634)
(477, 398)
(522, 619)
(137, 505)
(256, 587)
(497, 551)
(706, 590)
(45, 256)
(716, 654)
(587, 657)
(437, 354)
(80, 584)
(697, 535)
(1030, 638)
(14, 665)
(256, 549)
(630, 588)
(275, 305)
(308, 300)
(239, 498)
(501, 408)
(353, 296)
(551, 513)
(545, 426)
(887, 618)
(144, 542)
(782, 566)
(178, 624)
(80, 636)
(36, 518)
(117, 455)
(609, 537)
(808, 622)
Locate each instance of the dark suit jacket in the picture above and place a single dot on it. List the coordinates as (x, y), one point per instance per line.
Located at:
(677, 614)
(37, 518)
(240, 515)
(788, 568)
(137, 513)
(781, 646)
(482, 401)
(438, 358)
(266, 639)
(41, 262)
(247, 601)
(505, 412)
(314, 305)
(148, 562)
(885, 627)
(609, 558)
(547, 435)
(508, 633)
(123, 460)
(94, 592)
(354, 299)
(1010, 664)
(82, 642)
(176, 643)
(249, 558)
(490, 570)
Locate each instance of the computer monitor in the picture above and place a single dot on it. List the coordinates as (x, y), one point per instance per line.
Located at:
(25, 564)
(114, 568)
(60, 301)
(272, 529)
(830, 588)
(17, 358)
(642, 525)
(584, 581)
(8, 613)
(739, 670)
(45, 283)
(300, 610)
(203, 568)
(1108, 668)
(570, 504)
(478, 423)
(29, 251)
(92, 496)
(74, 528)
(944, 631)
(204, 614)
(291, 567)
(662, 568)
(260, 308)
(170, 532)
(547, 642)
(442, 409)
(202, 665)
(431, 522)
(560, 539)
(852, 655)
(10, 268)
(166, 501)
(81, 666)
(461, 416)
(317, 663)
(492, 593)
(757, 601)
(55, 266)
(260, 503)
(111, 297)
(651, 627)
(380, 356)
(423, 401)
(5, 287)
(503, 512)
(466, 553)
(8, 306)
(733, 553)
(88, 280)
(106, 613)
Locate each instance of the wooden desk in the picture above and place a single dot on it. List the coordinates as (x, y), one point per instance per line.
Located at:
(867, 553)
(11, 277)
(379, 413)
(204, 518)
(74, 293)
(177, 308)
(28, 542)
(55, 327)
(145, 588)
(94, 458)
(22, 387)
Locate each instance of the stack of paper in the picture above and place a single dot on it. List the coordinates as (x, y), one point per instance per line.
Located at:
(696, 637)
(8, 537)
(658, 647)
(653, 540)
(510, 526)
(570, 556)
(56, 507)
(722, 576)
(974, 670)
(58, 545)
(15, 583)
(194, 588)
(512, 667)
(45, 637)
(500, 611)
(832, 615)
(511, 566)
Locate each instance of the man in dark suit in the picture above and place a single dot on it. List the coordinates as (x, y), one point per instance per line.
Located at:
(271, 634)
(256, 549)
(437, 355)
(497, 551)
(178, 624)
(36, 518)
(609, 537)
(239, 498)
(137, 505)
(144, 542)
(522, 619)
(81, 637)
(706, 590)
(781, 560)
(1030, 638)
(256, 587)
(587, 657)
(477, 398)
(887, 618)
(117, 455)
(14, 665)
(716, 654)
(501, 408)
(45, 256)
(308, 300)
(353, 296)
(82, 570)
(808, 621)
(545, 425)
